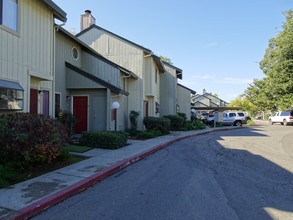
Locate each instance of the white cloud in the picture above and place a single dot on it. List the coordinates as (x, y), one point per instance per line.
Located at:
(231, 80)
(202, 77)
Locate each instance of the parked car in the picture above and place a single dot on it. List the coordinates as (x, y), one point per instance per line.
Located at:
(234, 118)
(203, 117)
(210, 120)
(282, 117)
(258, 116)
(230, 118)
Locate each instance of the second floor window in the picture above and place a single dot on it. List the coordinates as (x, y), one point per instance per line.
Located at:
(9, 14)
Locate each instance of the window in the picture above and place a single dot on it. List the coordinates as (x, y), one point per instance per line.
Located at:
(9, 14)
(57, 105)
(74, 53)
(232, 114)
(11, 99)
(157, 108)
(284, 113)
(156, 76)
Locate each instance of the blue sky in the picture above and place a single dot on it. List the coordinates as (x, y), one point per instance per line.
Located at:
(217, 43)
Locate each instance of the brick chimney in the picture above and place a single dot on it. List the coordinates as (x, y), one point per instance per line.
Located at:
(86, 20)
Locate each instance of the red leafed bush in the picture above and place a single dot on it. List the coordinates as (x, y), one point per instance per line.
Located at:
(30, 138)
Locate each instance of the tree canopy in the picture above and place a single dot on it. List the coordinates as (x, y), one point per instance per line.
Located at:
(166, 59)
(275, 90)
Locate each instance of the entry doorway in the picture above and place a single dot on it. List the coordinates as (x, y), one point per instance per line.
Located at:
(80, 112)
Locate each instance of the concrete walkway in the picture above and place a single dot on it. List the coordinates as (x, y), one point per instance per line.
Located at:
(28, 198)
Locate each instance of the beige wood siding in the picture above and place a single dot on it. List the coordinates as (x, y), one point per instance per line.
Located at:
(168, 96)
(85, 61)
(115, 49)
(184, 101)
(170, 70)
(101, 69)
(151, 81)
(29, 54)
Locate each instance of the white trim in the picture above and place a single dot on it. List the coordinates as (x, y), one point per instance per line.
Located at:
(72, 50)
(41, 76)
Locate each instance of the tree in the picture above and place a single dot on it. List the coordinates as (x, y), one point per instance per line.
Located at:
(166, 59)
(243, 102)
(275, 90)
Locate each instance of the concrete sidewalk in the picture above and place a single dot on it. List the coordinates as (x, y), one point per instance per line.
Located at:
(28, 198)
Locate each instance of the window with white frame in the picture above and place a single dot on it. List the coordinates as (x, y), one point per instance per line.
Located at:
(9, 14)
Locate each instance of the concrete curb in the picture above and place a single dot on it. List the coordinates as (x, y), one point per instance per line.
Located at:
(67, 192)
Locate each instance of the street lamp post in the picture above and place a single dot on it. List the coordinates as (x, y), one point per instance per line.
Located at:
(115, 106)
(192, 113)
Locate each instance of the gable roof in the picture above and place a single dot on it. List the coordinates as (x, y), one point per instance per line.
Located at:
(178, 71)
(157, 59)
(191, 91)
(200, 104)
(199, 97)
(95, 53)
(115, 35)
(57, 11)
(209, 94)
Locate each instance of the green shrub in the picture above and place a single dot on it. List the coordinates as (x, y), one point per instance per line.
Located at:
(194, 125)
(133, 117)
(176, 122)
(132, 133)
(104, 139)
(68, 120)
(250, 122)
(183, 115)
(157, 123)
(266, 116)
(30, 138)
(149, 134)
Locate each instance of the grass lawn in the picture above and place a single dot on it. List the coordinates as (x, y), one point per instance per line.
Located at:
(10, 174)
(77, 148)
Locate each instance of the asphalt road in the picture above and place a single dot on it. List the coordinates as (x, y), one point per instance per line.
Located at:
(239, 174)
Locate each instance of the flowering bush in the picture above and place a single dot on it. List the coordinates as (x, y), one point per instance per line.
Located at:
(30, 138)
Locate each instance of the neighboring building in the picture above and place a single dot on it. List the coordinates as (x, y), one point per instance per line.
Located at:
(144, 93)
(208, 100)
(155, 92)
(216, 100)
(27, 33)
(87, 85)
(183, 100)
(168, 89)
(208, 103)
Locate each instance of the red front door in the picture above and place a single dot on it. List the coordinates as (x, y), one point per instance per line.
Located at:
(80, 112)
(33, 101)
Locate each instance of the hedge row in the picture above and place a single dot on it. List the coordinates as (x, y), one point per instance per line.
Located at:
(157, 123)
(104, 139)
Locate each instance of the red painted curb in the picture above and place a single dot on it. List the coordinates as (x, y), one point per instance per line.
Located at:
(69, 191)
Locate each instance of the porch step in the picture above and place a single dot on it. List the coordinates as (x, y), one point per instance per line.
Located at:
(75, 139)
